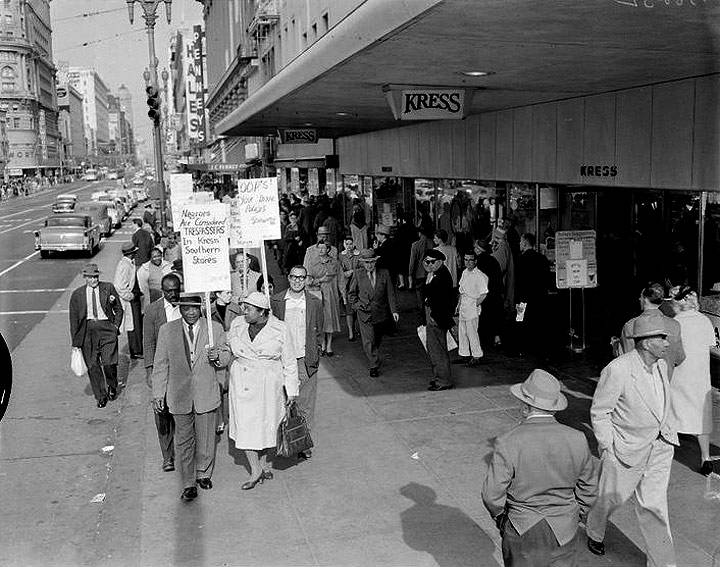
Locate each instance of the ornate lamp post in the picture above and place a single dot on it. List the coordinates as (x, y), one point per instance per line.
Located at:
(149, 13)
(166, 110)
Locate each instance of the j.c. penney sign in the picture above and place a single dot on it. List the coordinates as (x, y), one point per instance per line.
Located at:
(427, 103)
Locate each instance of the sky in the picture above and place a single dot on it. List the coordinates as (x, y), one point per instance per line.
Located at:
(117, 50)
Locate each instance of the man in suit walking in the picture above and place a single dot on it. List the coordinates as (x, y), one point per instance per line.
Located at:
(144, 242)
(630, 415)
(651, 298)
(416, 273)
(159, 312)
(188, 384)
(95, 317)
(541, 479)
(439, 310)
(372, 296)
(303, 313)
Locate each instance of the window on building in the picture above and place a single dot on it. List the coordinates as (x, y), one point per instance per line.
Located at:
(325, 22)
(16, 122)
(304, 39)
(9, 19)
(314, 31)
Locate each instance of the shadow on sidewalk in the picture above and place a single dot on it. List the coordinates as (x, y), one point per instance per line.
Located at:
(445, 532)
(189, 544)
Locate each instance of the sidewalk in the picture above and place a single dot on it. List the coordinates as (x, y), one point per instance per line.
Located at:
(394, 480)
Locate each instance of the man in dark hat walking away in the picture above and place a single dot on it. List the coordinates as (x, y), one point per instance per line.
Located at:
(372, 297)
(128, 288)
(636, 437)
(440, 302)
(184, 379)
(541, 479)
(95, 317)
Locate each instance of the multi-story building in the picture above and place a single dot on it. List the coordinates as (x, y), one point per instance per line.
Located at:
(95, 107)
(563, 117)
(27, 87)
(126, 104)
(120, 147)
(72, 125)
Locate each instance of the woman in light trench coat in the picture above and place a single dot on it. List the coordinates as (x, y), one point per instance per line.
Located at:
(263, 373)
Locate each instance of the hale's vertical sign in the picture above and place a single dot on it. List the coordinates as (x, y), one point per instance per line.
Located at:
(195, 86)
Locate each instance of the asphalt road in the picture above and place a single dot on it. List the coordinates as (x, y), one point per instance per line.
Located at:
(29, 285)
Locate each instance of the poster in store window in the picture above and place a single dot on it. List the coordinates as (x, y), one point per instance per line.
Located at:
(576, 261)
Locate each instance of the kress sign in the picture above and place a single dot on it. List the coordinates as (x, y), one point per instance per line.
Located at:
(427, 103)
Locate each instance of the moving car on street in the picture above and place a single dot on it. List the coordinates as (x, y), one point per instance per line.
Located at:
(102, 212)
(68, 232)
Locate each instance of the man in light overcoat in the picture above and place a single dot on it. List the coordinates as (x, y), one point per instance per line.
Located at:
(184, 378)
(631, 419)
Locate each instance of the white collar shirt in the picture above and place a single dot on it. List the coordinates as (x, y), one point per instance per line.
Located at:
(192, 344)
(172, 312)
(89, 291)
(295, 313)
(473, 284)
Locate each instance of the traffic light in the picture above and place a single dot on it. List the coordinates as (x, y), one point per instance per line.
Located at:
(153, 101)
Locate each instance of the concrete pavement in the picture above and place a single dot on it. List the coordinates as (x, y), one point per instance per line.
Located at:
(394, 480)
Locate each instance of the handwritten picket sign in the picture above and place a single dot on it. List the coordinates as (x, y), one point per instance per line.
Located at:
(238, 238)
(205, 250)
(259, 209)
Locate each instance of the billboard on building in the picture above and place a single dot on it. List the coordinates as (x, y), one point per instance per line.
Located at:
(194, 87)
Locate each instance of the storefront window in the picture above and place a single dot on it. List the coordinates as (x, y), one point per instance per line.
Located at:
(711, 250)
(548, 222)
(522, 203)
(578, 210)
(388, 206)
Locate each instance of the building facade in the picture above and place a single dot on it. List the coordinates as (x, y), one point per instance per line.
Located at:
(95, 108)
(126, 104)
(27, 87)
(542, 125)
(72, 125)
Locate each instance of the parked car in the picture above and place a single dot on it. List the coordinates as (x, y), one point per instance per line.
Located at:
(91, 175)
(112, 174)
(116, 210)
(68, 231)
(103, 214)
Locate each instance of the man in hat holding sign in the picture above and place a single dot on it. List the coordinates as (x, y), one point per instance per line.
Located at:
(185, 379)
(630, 415)
(541, 479)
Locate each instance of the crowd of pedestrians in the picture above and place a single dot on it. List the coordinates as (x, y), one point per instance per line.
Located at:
(267, 348)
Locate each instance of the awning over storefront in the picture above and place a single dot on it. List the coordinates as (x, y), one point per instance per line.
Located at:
(217, 167)
(536, 51)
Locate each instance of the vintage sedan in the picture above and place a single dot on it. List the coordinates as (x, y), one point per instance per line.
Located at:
(68, 232)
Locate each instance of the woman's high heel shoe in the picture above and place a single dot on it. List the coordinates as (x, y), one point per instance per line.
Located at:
(249, 485)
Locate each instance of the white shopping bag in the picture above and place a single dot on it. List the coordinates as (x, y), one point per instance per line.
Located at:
(77, 363)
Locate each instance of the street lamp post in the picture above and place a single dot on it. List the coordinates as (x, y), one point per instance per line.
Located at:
(149, 9)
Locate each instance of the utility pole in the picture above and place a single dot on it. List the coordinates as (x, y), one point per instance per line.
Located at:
(149, 8)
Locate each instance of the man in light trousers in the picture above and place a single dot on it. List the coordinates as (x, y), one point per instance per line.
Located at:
(473, 291)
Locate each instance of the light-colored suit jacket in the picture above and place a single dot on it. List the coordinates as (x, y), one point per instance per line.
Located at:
(675, 353)
(372, 304)
(624, 419)
(541, 470)
(187, 387)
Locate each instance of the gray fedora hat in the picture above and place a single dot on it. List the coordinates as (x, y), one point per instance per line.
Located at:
(541, 390)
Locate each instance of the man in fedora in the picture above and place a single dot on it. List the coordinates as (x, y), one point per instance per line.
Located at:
(95, 317)
(312, 252)
(440, 303)
(630, 415)
(126, 283)
(541, 480)
(184, 380)
(372, 297)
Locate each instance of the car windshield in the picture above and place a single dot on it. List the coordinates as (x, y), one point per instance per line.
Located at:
(65, 221)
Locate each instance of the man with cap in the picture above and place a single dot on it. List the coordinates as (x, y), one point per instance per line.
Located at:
(372, 297)
(384, 247)
(95, 317)
(632, 422)
(161, 311)
(186, 382)
(541, 480)
(439, 302)
(128, 288)
(303, 315)
(312, 252)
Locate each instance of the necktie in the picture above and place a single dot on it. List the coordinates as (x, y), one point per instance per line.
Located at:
(94, 303)
(191, 334)
(372, 279)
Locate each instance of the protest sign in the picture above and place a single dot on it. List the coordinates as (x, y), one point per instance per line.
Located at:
(259, 209)
(205, 253)
(181, 190)
(235, 227)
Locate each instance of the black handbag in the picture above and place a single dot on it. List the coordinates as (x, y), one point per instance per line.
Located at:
(293, 434)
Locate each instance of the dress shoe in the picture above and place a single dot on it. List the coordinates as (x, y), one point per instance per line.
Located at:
(168, 466)
(437, 388)
(189, 494)
(595, 547)
(112, 393)
(374, 373)
(204, 483)
(305, 455)
(249, 485)
(706, 468)
(102, 402)
(268, 475)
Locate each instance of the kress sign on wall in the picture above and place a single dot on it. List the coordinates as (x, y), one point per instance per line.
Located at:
(427, 103)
